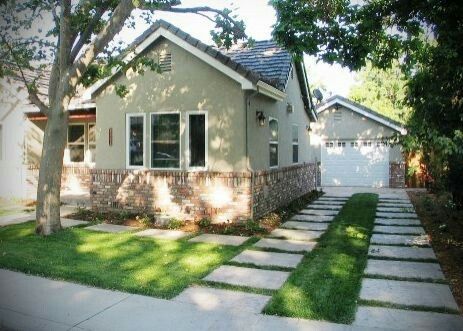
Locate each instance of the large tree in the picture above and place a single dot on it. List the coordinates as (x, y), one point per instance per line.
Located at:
(423, 35)
(78, 39)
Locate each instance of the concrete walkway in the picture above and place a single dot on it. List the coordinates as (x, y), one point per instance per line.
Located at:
(35, 303)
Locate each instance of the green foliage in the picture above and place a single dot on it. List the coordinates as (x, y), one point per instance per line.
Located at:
(424, 37)
(121, 90)
(174, 224)
(145, 220)
(383, 91)
(253, 225)
(204, 222)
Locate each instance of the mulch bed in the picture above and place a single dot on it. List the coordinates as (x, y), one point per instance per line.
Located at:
(445, 227)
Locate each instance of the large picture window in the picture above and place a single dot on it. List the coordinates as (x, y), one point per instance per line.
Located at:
(295, 142)
(165, 140)
(135, 140)
(197, 140)
(273, 125)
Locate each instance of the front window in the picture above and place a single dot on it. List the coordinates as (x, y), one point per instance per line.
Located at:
(295, 142)
(273, 125)
(76, 142)
(165, 140)
(197, 140)
(135, 140)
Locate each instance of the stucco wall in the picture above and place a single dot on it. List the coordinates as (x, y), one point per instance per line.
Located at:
(259, 136)
(350, 126)
(191, 85)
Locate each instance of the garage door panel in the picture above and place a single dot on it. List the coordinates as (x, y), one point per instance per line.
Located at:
(355, 166)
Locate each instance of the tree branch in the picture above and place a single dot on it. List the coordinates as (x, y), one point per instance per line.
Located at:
(33, 97)
(87, 33)
(113, 27)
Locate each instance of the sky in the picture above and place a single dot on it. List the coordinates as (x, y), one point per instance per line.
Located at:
(259, 17)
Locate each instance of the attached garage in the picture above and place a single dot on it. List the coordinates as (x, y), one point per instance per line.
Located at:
(352, 146)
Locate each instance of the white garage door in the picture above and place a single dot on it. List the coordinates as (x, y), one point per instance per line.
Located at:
(355, 163)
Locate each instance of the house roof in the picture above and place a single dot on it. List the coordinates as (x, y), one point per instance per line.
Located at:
(360, 109)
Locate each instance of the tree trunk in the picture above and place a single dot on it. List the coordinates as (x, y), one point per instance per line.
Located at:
(51, 168)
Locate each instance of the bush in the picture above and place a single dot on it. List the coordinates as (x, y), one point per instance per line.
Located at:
(204, 222)
(252, 225)
(174, 224)
(145, 220)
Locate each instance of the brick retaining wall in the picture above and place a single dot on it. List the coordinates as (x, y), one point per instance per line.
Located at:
(193, 195)
(397, 174)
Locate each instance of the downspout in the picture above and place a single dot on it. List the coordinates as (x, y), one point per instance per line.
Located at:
(248, 164)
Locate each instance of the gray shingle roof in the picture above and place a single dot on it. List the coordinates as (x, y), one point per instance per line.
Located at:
(266, 58)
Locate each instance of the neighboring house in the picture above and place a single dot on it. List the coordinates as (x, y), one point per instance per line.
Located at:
(351, 143)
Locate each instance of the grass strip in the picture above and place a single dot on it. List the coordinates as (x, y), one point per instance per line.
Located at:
(326, 284)
(123, 261)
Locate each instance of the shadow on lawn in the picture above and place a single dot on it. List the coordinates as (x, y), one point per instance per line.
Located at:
(161, 268)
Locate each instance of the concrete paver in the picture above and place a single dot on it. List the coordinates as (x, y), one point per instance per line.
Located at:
(262, 258)
(258, 278)
(400, 209)
(398, 252)
(286, 245)
(296, 234)
(398, 239)
(311, 218)
(16, 219)
(324, 207)
(397, 221)
(212, 299)
(319, 212)
(408, 293)
(404, 269)
(398, 229)
(163, 234)
(111, 228)
(219, 239)
(68, 223)
(305, 225)
(395, 215)
(397, 319)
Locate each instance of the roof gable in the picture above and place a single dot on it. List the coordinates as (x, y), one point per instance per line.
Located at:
(361, 110)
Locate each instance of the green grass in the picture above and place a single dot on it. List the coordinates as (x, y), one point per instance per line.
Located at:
(326, 284)
(160, 268)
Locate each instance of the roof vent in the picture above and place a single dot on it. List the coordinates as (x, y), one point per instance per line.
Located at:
(165, 62)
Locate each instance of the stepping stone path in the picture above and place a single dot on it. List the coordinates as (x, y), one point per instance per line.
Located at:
(291, 240)
(110, 228)
(404, 274)
(398, 229)
(268, 258)
(250, 277)
(163, 234)
(219, 239)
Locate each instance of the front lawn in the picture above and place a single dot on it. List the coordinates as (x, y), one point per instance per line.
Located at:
(115, 261)
(326, 284)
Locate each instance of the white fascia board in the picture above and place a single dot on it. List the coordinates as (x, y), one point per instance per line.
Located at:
(79, 105)
(270, 91)
(363, 113)
(245, 83)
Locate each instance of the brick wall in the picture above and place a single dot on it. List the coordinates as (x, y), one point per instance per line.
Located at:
(185, 195)
(74, 180)
(193, 195)
(276, 188)
(397, 174)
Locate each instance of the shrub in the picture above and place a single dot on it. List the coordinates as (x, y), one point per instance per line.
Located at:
(144, 220)
(174, 223)
(204, 222)
(252, 225)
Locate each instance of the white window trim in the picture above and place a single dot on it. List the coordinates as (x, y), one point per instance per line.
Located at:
(187, 139)
(270, 142)
(127, 143)
(295, 144)
(179, 138)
